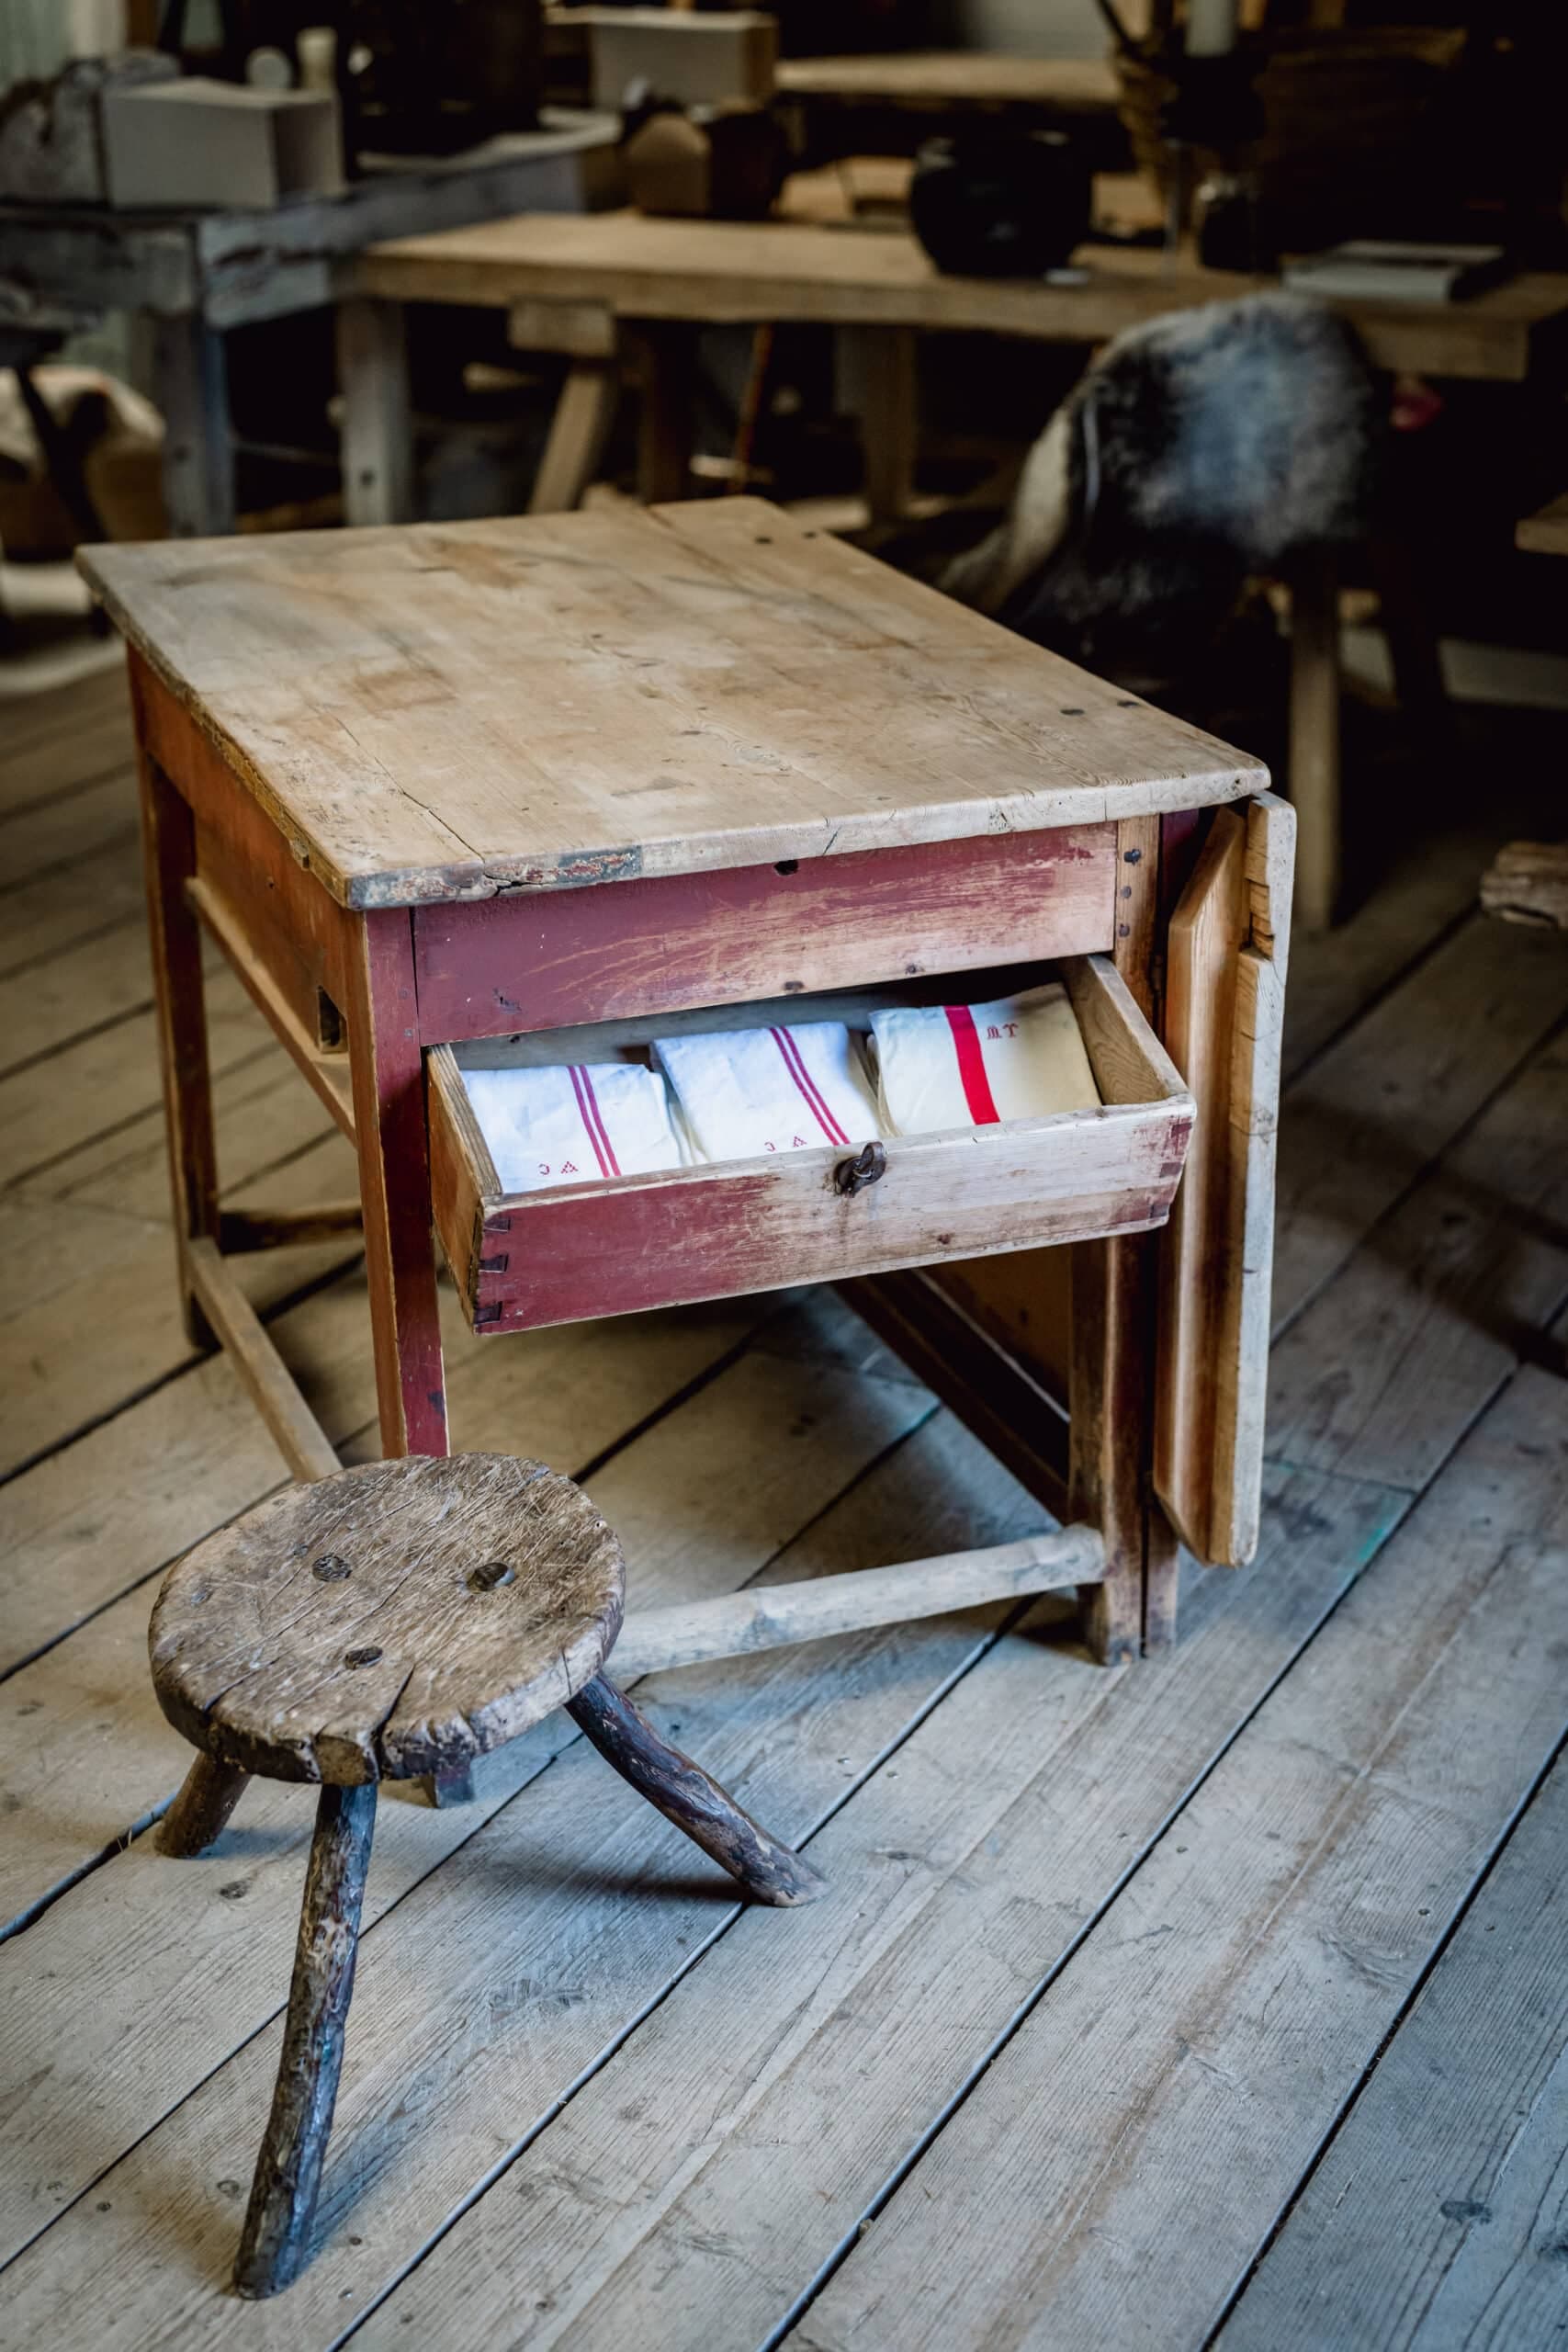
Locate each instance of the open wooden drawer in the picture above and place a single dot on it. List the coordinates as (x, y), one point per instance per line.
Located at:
(995, 1343)
(578, 1251)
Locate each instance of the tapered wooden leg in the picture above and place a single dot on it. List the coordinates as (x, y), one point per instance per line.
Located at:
(889, 419)
(168, 838)
(277, 2237)
(392, 1139)
(199, 1815)
(684, 1794)
(192, 392)
(1111, 1372)
(1110, 1403)
(584, 412)
(1315, 736)
(1162, 1578)
(1401, 568)
(665, 357)
(394, 1185)
(377, 414)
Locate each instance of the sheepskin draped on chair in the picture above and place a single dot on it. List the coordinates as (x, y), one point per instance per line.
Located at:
(1202, 447)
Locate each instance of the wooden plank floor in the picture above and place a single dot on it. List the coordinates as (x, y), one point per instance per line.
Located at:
(1219, 2001)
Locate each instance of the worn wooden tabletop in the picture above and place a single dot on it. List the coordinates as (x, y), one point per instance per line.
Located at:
(444, 711)
(744, 271)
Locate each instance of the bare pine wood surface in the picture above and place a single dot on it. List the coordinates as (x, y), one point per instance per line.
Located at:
(774, 1618)
(933, 1913)
(1384, 1103)
(763, 691)
(53, 835)
(1167, 2071)
(766, 272)
(1104, 1958)
(1462, 2126)
(394, 1620)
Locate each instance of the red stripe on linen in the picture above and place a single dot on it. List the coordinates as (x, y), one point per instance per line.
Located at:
(794, 1063)
(592, 1119)
(972, 1066)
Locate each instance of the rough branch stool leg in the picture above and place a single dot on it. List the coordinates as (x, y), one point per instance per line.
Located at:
(686, 1795)
(277, 2235)
(209, 1794)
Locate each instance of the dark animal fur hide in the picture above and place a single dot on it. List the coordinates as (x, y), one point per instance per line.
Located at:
(1202, 447)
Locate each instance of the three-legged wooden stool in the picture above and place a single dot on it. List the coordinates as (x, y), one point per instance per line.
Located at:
(385, 1623)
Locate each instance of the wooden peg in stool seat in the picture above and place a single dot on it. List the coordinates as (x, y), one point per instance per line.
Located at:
(392, 1622)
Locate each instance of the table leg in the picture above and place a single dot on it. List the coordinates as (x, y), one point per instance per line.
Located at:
(394, 1183)
(665, 356)
(1115, 1290)
(1415, 645)
(1162, 1581)
(889, 418)
(1111, 1402)
(1314, 735)
(578, 430)
(377, 415)
(168, 838)
(192, 391)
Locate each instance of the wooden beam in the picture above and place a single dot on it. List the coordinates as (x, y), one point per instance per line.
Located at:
(274, 1393)
(242, 1229)
(772, 1616)
(328, 1073)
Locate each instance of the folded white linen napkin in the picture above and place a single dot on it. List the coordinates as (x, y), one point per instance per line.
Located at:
(975, 1064)
(740, 1093)
(576, 1125)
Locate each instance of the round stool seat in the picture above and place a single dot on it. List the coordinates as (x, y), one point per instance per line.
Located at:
(394, 1621)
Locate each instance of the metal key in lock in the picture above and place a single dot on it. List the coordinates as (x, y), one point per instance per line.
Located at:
(852, 1176)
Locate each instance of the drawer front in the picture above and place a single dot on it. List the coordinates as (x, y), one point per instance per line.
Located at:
(494, 967)
(758, 1225)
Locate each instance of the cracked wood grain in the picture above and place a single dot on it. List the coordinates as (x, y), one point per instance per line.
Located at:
(396, 1620)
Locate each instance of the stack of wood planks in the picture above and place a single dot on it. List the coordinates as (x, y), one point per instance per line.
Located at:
(1210, 2001)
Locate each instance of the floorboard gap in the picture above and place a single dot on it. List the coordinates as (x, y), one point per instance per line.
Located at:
(1364, 2080)
(656, 2001)
(1420, 1176)
(901, 2173)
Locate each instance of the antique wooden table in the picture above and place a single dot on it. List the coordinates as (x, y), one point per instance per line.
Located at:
(616, 289)
(195, 274)
(533, 790)
(570, 282)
